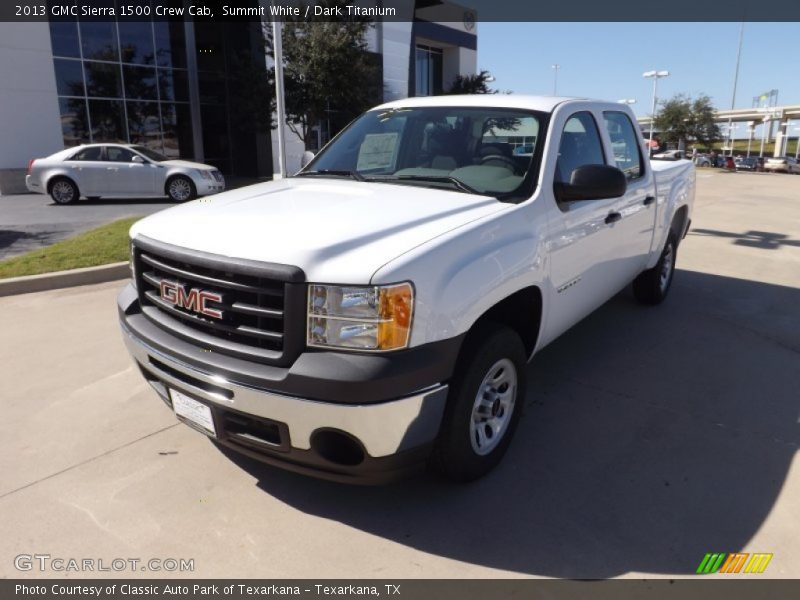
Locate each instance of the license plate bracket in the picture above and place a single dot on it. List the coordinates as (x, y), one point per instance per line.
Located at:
(193, 412)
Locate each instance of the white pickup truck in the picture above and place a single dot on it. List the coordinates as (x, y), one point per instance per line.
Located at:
(374, 313)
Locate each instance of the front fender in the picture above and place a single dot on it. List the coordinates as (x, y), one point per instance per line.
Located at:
(460, 276)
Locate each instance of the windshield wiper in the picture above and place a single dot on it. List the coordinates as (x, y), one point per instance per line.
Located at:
(336, 173)
(434, 178)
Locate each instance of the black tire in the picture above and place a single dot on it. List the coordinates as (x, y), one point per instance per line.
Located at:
(180, 189)
(652, 286)
(63, 190)
(455, 455)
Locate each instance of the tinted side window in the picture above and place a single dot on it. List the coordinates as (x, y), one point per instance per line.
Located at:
(625, 142)
(93, 153)
(115, 154)
(580, 145)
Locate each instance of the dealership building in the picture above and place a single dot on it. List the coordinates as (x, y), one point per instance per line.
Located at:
(175, 86)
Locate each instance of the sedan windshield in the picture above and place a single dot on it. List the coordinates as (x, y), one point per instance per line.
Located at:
(151, 154)
(486, 151)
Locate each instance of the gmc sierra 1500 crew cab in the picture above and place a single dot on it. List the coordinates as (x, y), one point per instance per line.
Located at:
(374, 313)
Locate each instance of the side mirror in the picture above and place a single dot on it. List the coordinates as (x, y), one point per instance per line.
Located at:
(593, 182)
(307, 157)
(137, 159)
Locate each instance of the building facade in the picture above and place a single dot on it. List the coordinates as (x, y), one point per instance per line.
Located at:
(181, 87)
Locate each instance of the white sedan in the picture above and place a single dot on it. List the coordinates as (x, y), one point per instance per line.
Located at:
(120, 171)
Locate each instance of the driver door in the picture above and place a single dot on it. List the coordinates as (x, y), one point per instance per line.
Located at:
(129, 174)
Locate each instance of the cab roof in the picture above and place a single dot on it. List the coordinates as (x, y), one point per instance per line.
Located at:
(523, 102)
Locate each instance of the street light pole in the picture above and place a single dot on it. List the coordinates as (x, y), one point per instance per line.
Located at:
(277, 44)
(735, 82)
(556, 67)
(655, 75)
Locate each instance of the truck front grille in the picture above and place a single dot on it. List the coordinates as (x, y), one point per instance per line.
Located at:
(262, 305)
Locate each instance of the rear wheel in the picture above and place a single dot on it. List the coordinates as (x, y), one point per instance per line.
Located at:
(63, 191)
(652, 286)
(180, 189)
(484, 404)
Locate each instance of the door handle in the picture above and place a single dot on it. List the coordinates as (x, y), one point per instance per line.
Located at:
(613, 217)
(649, 200)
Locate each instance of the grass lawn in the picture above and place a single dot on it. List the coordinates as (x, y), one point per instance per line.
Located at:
(101, 246)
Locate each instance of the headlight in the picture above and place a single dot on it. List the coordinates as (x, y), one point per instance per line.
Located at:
(373, 318)
(204, 174)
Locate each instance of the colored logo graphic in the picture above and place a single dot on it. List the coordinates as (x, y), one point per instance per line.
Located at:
(736, 562)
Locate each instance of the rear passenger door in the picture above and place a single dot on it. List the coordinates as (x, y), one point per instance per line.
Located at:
(583, 245)
(637, 208)
(88, 169)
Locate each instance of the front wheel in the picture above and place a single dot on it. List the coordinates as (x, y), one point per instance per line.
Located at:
(652, 286)
(180, 189)
(484, 404)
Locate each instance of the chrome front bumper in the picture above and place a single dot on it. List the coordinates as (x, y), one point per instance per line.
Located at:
(383, 429)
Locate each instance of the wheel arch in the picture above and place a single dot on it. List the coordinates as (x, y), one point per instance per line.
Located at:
(52, 178)
(521, 312)
(171, 176)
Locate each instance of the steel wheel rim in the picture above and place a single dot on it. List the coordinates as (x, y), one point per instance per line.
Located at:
(666, 267)
(179, 189)
(493, 407)
(63, 192)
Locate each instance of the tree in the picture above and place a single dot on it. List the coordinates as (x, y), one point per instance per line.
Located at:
(681, 119)
(472, 84)
(329, 74)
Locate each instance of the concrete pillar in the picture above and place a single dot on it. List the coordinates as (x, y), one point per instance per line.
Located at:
(780, 137)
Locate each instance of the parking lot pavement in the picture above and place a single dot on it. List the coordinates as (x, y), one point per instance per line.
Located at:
(651, 437)
(30, 221)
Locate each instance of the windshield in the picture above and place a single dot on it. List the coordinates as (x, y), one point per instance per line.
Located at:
(475, 150)
(151, 154)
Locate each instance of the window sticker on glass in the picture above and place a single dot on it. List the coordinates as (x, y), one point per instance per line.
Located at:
(377, 151)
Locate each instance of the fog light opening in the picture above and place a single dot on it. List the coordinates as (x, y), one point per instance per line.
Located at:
(337, 447)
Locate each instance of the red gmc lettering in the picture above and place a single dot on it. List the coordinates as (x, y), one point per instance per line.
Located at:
(195, 300)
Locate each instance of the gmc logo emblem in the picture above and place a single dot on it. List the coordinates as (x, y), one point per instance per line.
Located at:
(195, 300)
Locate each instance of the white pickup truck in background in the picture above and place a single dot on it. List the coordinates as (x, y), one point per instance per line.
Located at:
(374, 314)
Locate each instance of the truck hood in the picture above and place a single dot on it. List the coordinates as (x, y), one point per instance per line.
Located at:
(337, 231)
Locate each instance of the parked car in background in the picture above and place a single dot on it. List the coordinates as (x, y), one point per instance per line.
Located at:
(783, 164)
(668, 155)
(120, 171)
(702, 160)
(748, 163)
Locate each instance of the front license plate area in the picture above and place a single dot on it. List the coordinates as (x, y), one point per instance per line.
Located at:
(193, 413)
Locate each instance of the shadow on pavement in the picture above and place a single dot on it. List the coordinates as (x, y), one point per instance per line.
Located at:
(125, 201)
(14, 241)
(767, 240)
(651, 436)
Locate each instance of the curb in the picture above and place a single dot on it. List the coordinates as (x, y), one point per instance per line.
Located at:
(64, 279)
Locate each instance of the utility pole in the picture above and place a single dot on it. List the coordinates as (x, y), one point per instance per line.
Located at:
(735, 83)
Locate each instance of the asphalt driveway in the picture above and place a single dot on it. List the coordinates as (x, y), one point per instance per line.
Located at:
(651, 437)
(30, 221)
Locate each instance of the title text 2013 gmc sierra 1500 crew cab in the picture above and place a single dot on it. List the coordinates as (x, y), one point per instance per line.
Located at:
(374, 313)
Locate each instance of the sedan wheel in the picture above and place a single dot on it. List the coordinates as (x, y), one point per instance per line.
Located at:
(64, 191)
(180, 189)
